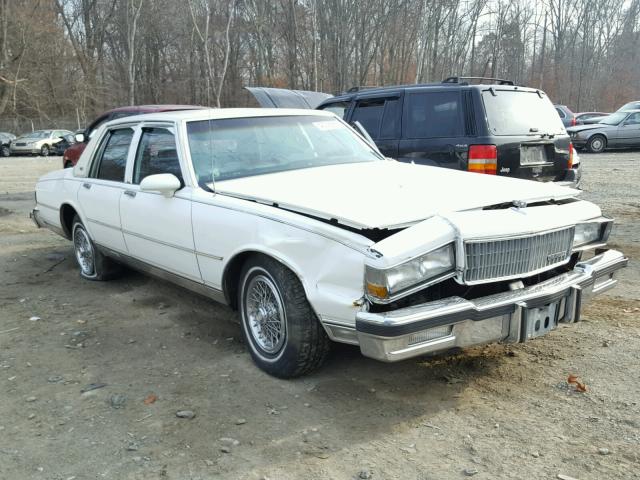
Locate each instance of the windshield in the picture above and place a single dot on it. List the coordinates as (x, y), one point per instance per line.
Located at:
(614, 118)
(242, 147)
(38, 134)
(629, 106)
(520, 112)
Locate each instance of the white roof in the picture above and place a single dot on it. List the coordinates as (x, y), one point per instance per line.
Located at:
(219, 113)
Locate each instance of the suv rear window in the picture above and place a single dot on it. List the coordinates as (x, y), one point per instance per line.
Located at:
(433, 115)
(520, 112)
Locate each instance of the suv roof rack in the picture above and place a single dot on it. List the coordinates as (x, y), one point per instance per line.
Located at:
(463, 80)
(359, 88)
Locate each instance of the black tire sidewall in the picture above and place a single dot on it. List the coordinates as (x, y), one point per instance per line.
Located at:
(306, 343)
(42, 150)
(250, 272)
(77, 224)
(5, 151)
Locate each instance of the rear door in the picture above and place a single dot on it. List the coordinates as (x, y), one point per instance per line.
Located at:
(381, 117)
(531, 140)
(433, 128)
(99, 196)
(629, 131)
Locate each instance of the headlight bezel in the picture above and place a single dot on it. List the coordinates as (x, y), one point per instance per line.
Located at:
(400, 289)
(602, 228)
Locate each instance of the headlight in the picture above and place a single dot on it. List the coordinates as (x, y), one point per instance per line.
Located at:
(389, 283)
(592, 232)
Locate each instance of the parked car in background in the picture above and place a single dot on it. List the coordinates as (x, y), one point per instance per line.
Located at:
(39, 142)
(627, 107)
(495, 128)
(5, 143)
(65, 142)
(587, 118)
(72, 154)
(297, 222)
(618, 130)
(566, 115)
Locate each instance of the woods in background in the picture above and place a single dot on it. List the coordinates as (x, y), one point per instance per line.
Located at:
(64, 61)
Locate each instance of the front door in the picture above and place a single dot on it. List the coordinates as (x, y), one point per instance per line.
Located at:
(629, 131)
(99, 195)
(157, 229)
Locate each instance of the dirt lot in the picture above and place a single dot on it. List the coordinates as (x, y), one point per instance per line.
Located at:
(491, 413)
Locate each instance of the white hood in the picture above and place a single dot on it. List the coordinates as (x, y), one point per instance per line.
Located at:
(385, 194)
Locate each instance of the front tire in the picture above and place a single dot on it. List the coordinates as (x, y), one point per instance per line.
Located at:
(596, 144)
(92, 263)
(44, 150)
(284, 335)
(5, 151)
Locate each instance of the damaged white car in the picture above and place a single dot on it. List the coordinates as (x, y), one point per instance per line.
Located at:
(296, 221)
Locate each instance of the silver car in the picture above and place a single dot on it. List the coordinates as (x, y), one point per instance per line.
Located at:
(39, 142)
(618, 130)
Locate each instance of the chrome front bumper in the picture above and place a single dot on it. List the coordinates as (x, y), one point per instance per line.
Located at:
(508, 317)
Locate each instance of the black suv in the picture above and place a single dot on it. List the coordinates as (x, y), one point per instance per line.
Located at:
(495, 128)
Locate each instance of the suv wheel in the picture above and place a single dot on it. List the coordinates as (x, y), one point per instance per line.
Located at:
(44, 151)
(283, 333)
(596, 144)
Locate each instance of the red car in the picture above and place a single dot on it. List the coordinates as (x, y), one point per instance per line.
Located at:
(72, 154)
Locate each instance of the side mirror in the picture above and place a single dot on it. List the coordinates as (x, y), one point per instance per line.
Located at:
(80, 137)
(164, 183)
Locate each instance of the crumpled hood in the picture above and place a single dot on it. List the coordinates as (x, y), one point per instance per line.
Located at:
(385, 194)
(590, 126)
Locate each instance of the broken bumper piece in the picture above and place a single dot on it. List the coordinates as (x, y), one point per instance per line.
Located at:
(510, 317)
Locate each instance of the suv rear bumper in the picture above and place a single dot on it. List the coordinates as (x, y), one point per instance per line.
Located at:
(510, 317)
(572, 178)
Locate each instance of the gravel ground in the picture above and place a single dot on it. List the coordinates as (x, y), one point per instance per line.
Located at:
(92, 375)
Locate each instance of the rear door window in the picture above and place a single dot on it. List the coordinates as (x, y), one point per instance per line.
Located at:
(157, 153)
(390, 128)
(112, 160)
(433, 115)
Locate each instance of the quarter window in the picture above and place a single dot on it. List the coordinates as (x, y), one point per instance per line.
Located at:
(433, 114)
(157, 153)
(339, 108)
(113, 160)
(560, 112)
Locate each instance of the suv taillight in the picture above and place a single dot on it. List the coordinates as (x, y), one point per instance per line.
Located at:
(573, 121)
(483, 159)
(570, 155)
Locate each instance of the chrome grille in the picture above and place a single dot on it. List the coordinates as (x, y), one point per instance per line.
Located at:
(516, 257)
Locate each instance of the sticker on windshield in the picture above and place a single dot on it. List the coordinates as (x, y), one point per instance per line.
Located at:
(327, 125)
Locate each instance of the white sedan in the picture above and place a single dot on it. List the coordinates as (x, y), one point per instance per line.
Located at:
(296, 221)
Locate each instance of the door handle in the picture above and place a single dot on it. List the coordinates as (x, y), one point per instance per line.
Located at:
(86, 185)
(130, 193)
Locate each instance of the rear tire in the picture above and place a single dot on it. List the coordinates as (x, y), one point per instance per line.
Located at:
(93, 264)
(597, 144)
(283, 334)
